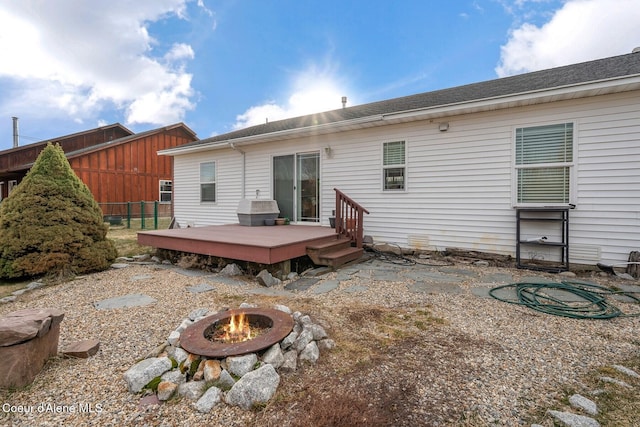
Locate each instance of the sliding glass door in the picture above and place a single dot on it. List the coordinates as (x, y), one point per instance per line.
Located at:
(296, 186)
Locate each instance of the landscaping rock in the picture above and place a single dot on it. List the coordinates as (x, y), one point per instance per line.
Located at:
(273, 356)
(34, 285)
(82, 349)
(305, 337)
(289, 340)
(231, 270)
(173, 338)
(144, 371)
(178, 354)
(241, 365)
(197, 314)
(317, 331)
(573, 420)
(225, 381)
(166, 390)
(119, 265)
(207, 381)
(626, 371)
(282, 308)
(27, 339)
(192, 390)
(290, 363)
(209, 399)
(310, 353)
(615, 381)
(211, 370)
(175, 377)
(256, 387)
(266, 279)
(581, 402)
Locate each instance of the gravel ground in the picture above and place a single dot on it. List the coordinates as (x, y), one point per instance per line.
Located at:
(402, 358)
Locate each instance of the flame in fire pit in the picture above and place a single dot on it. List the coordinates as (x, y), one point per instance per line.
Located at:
(237, 330)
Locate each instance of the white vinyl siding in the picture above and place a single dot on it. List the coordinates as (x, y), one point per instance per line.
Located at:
(462, 181)
(544, 158)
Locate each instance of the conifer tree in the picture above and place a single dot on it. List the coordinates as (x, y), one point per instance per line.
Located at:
(51, 225)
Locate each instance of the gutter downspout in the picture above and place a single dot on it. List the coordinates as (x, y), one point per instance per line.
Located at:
(233, 147)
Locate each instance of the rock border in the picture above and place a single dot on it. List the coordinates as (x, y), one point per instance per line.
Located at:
(245, 381)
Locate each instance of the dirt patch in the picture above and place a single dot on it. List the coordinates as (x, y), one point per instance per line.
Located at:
(416, 377)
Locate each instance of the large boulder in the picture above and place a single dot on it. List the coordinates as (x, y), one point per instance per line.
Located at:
(255, 388)
(27, 339)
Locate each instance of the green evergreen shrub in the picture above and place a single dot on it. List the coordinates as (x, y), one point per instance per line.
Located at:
(51, 225)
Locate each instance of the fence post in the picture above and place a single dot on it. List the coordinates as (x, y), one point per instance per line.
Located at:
(128, 214)
(155, 215)
(142, 214)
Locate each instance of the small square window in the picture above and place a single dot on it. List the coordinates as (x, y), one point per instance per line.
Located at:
(165, 191)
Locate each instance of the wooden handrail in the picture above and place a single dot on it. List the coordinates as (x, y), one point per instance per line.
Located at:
(349, 218)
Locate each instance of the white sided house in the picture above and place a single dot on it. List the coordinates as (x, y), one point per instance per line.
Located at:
(449, 168)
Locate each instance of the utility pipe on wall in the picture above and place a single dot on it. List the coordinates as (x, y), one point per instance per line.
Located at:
(233, 146)
(16, 137)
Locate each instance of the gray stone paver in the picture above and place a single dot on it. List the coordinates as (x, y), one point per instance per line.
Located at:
(302, 284)
(355, 289)
(198, 289)
(226, 280)
(131, 300)
(435, 288)
(325, 286)
(435, 276)
(498, 278)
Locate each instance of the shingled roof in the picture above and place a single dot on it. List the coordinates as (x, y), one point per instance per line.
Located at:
(566, 76)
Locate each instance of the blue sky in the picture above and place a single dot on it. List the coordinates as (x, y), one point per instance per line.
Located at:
(69, 66)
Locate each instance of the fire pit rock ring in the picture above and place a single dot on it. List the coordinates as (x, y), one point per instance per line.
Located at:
(193, 339)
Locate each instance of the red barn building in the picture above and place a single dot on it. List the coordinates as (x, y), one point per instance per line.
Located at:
(117, 165)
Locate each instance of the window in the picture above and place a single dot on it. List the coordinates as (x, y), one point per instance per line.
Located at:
(208, 182)
(165, 191)
(544, 158)
(13, 183)
(393, 165)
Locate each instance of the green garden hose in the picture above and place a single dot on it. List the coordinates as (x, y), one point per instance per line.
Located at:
(583, 300)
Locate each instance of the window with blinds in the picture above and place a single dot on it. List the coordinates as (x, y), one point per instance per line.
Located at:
(544, 158)
(208, 182)
(165, 191)
(393, 165)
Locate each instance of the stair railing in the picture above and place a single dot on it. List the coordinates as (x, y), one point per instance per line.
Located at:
(349, 218)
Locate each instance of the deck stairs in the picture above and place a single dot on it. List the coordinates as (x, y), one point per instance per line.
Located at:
(334, 253)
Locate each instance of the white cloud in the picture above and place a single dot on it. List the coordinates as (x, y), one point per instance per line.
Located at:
(580, 31)
(313, 90)
(74, 59)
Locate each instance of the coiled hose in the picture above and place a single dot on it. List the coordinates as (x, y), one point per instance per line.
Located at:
(585, 300)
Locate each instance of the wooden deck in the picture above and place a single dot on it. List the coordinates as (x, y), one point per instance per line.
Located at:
(262, 244)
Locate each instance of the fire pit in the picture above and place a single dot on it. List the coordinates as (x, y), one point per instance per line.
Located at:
(236, 332)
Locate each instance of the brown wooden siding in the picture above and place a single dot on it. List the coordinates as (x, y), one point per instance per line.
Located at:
(126, 171)
(132, 171)
(16, 158)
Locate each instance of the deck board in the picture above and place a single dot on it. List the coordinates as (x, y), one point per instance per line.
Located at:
(262, 244)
